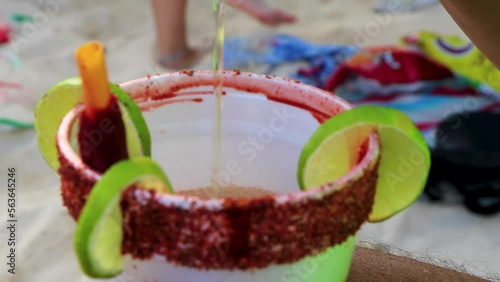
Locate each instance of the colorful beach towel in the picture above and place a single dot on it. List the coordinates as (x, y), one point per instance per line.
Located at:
(413, 80)
(269, 52)
(427, 91)
(458, 54)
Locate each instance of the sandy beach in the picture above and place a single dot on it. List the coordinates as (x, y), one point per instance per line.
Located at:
(45, 230)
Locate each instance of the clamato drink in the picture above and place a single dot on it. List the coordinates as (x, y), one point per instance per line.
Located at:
(260, 226)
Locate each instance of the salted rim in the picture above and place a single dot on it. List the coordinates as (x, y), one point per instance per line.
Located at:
(270, 86)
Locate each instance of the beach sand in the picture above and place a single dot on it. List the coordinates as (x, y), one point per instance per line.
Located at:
(45, 230)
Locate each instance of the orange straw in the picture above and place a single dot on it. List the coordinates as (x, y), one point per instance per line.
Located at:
(92, 67)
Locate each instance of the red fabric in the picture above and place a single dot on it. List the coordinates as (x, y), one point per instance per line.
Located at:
(371, 64)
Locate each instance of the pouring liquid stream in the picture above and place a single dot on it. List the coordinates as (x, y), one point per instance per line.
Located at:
(218, 66)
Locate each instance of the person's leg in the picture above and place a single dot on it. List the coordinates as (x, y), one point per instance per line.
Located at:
(375, 265)
(480, 21)
(261, 11)
(170, 20)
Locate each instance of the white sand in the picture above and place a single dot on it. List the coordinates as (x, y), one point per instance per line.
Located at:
(45, 230)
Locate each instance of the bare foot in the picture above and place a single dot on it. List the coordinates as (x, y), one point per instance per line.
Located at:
(182, 59)
(261, 11)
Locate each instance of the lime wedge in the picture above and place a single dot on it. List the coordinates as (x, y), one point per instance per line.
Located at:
(98, 235)
(62, 97)
(334, 149)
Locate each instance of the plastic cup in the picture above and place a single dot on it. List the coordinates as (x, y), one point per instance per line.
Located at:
(293, 236)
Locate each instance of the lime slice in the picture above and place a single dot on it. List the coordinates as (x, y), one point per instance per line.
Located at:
(98, 235)
(49, 112)
(334, 148)
(61, 98)
(135, 125)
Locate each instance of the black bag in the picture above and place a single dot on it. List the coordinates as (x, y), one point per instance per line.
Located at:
(467, 156)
